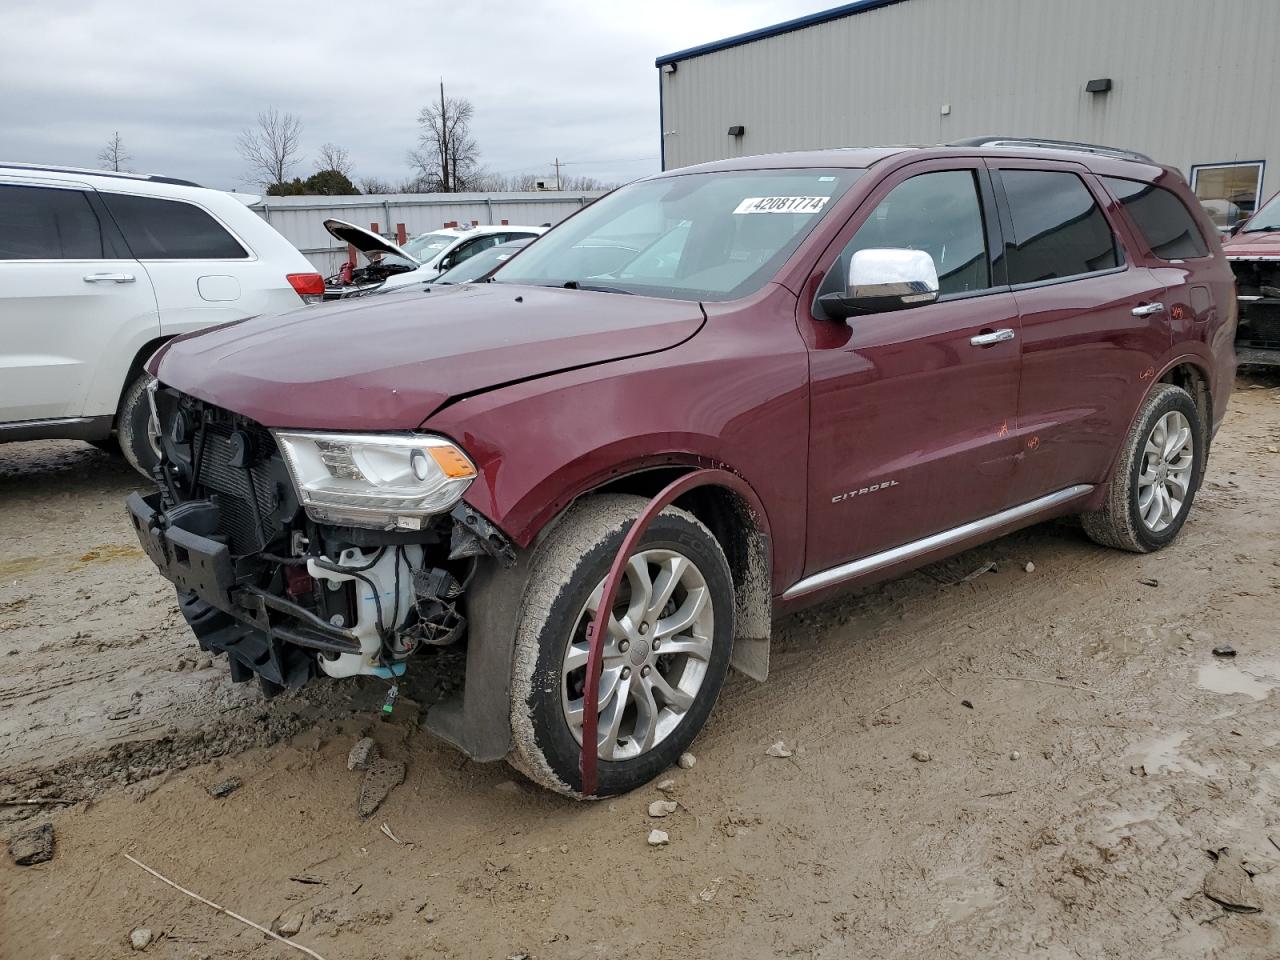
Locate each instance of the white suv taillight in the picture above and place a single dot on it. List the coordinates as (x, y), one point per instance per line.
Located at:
(309, 286)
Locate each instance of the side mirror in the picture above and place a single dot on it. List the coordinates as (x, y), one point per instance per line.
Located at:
(884, 279)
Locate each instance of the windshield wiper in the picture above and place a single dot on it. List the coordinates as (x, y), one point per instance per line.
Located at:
(596, 288)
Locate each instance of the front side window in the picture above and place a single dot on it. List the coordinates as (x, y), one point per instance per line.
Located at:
(158, 229)
(939, 213)
(1058, 229)
(1166, 225)
(699, 236)
(44, 223)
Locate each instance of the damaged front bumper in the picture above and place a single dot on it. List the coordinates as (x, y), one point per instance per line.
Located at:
(263, 634)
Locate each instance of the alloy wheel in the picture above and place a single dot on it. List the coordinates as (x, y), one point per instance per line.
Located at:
(1164, 481)
(655, 656)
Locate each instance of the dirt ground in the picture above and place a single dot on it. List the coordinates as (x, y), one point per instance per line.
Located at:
(1071, 811)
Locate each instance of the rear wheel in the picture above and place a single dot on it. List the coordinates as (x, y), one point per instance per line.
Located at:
(134, 429)
(666, 651)
(1157, 476)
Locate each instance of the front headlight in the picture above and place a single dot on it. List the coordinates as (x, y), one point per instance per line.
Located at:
(383, 481)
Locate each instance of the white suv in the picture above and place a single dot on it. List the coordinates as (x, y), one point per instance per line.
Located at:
(97, 270)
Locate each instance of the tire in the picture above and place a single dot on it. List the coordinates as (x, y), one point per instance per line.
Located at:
(1129, 519)
(133, 428)
(669, 694)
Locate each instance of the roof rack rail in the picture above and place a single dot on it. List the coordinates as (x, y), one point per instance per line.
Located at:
(88, 172)
(1040, 143)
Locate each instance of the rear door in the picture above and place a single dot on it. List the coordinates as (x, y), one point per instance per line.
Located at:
(200, 269)
(914, 412)
(1093, 322)
(71, 298)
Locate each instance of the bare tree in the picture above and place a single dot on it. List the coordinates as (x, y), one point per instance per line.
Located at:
(447, 157)
(271, 150)
(375, 185)
(334, 157)
(112, 156)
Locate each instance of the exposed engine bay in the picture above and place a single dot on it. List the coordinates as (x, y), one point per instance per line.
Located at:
(352, 281)
(1258, 294)
(286, 597)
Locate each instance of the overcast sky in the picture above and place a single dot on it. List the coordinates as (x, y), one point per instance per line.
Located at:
(179, 80)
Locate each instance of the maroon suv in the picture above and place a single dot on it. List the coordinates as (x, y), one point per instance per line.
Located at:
(889, 355)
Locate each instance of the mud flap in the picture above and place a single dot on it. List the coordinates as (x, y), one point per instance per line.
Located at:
(478, 719)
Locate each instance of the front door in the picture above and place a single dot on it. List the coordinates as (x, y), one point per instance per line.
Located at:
(913, 412)
(69, 295)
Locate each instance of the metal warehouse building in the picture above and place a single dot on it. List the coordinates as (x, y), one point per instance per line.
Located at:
(1193, 83)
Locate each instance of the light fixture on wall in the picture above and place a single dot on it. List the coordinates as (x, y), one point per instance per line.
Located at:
(669, 68)
(1101, 85)
(737, 130)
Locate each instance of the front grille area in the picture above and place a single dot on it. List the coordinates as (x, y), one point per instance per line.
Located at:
(238, 489)
(213, 454)
(1259, 324)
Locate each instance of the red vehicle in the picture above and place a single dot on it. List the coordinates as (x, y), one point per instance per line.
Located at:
(890, 354)
(1254, 254)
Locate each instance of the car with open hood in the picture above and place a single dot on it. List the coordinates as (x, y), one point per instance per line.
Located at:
(389, 265)
(1253, 250)
(711, 397)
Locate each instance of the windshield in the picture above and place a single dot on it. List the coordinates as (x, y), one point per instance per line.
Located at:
(480, 264)
(428, 246)
(700, 236)
(1268, 218)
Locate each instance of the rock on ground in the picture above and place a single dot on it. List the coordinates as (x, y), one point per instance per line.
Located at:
(288, 924)
(225, 788)
(658, 838)
(1229, 885)
(362, 754)
(380, 779)
(32, 846)
(660, 808)
(140, 938)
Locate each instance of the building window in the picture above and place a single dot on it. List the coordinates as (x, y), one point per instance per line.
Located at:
(1229, 191)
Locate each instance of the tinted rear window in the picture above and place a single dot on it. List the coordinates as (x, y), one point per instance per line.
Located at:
(1161, 218)
(43, 223)
(171, 230)
(1058, 229)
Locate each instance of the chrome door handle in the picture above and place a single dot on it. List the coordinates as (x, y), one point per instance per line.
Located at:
(108, 278)
(1148, 310)
(995, 336)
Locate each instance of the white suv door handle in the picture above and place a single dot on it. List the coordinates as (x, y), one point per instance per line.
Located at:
(108, 278)
(1148, 310)
(995, 336)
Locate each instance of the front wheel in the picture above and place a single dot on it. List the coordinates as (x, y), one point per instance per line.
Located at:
(666, 651)
(134, 428)
(1157, 476)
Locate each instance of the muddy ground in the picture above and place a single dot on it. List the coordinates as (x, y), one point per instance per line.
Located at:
(1069, 813)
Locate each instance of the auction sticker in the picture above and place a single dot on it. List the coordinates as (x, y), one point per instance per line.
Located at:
(782, 205)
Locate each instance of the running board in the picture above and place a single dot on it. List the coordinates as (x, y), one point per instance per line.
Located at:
(889, 558)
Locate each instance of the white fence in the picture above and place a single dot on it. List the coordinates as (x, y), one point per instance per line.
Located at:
(301, 219)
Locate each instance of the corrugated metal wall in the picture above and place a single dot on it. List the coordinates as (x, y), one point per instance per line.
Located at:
(1195, 81)
(301, 219)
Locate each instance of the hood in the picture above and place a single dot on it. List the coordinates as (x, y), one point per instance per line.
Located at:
(365, 241)
(388, 363)
(1261, 244)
